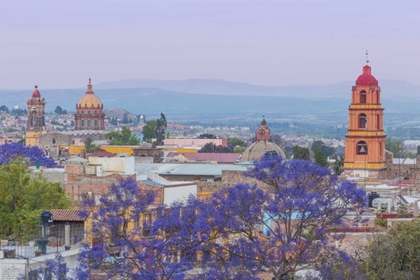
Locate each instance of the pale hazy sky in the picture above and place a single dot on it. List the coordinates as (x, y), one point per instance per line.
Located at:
(61, 43)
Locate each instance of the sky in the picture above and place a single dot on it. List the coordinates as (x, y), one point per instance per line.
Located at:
(60, 44)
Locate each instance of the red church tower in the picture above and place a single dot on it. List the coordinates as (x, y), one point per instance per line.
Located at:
(365, 139)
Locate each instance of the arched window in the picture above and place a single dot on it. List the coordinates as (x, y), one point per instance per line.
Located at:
(53, 141)
(363, 96)
(361, 148)
(378, 122)
(362, 121)
(83, 123)
(377, 96)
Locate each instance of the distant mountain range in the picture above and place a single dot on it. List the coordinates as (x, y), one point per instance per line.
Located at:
(390, 88)
(213, 101)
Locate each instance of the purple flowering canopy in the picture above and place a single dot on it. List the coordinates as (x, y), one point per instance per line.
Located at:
(285, 224)
(278, 228)
(33, 155)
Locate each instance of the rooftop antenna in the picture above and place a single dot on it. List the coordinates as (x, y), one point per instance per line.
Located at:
(367, 57)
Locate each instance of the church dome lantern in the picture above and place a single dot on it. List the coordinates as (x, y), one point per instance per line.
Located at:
(89, 111)
(89, 100)
(262, 146)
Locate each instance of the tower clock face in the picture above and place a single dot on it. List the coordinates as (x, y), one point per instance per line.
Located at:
(261, 131)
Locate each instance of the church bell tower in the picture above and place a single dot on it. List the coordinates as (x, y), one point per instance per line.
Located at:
(365, 139)
(36, 118)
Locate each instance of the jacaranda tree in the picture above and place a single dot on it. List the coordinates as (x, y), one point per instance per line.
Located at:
(278, 228)
(246, 231)
(33, 156)
(118, 229)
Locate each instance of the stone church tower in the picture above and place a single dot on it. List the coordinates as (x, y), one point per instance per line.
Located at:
(89, 112)
(36, 118)
(365, 139)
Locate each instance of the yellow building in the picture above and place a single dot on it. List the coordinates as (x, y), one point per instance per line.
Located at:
(181, 150)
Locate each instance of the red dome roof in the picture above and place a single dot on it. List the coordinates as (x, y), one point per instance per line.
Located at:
(366, 79)
(36, 93)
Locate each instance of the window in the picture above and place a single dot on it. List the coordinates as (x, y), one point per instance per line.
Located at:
(147, 224)
(362, 121)
(363, 96)
(88, 123)
(83, 123)
(88, 112)
(96, 123)
(361, 148)
(380, 149)
(378, 124)
(53, 141)
(377, 96)
(83, 112)
(136, 221)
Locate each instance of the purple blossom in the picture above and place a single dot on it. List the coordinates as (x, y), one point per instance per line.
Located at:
(32, 155)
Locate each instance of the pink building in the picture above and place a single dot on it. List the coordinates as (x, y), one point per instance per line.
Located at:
(194, 142)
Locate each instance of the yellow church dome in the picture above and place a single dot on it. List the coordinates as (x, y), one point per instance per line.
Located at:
(89, 100)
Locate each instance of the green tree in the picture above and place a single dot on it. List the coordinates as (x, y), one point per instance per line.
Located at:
(125, 119)
(90, 147)
(113, 121)
(236, 142)
(395, 255)
(300, 153)
(123, 137)
(208, 148)
(396, 146)
(326, 150)
(149, 131)
(320, 158)
(23, 196)
(239, 150)
(161, 125)
(402, 212)
(3, 108)
(60, 111)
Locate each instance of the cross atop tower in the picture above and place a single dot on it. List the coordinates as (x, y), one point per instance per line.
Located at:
(367, 57)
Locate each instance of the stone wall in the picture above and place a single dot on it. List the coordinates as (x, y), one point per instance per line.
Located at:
(51, 141)
(56, 175)
(79, 183)
(391, 170)
(148, 152)
(229, 179)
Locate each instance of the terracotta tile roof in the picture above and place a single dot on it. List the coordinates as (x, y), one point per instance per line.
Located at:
(66, 215)
(102, 154)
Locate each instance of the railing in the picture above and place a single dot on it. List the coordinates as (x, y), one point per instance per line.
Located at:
(22, 243)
